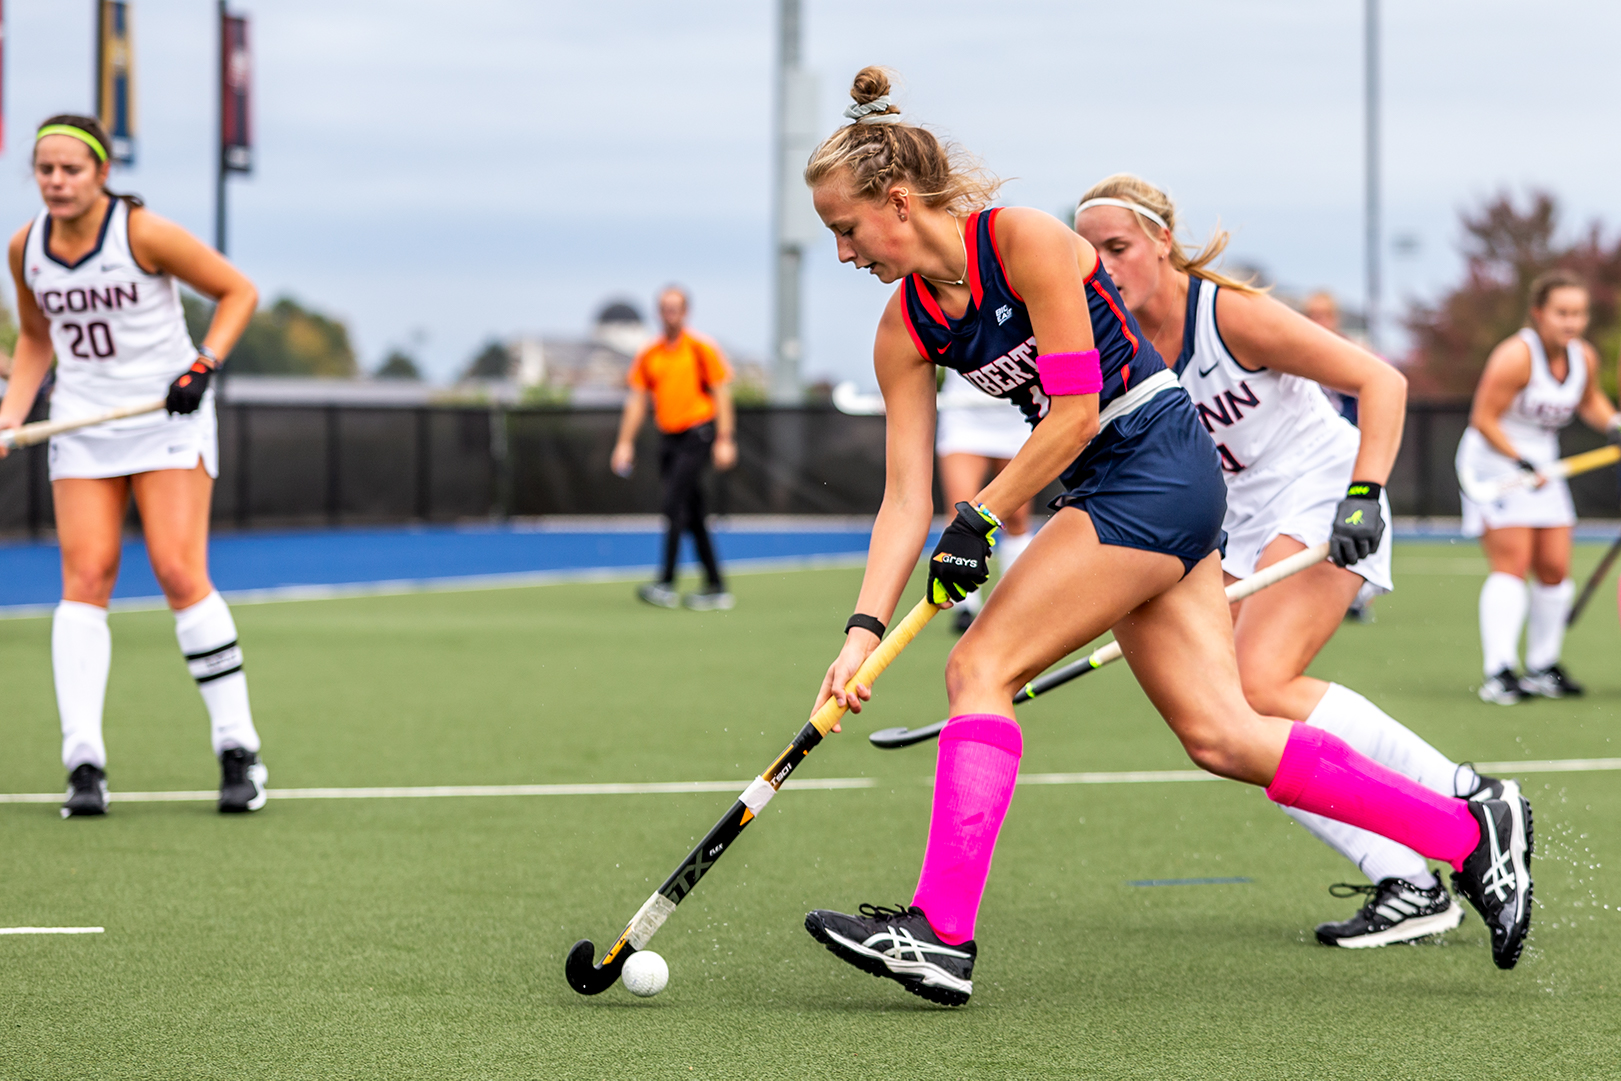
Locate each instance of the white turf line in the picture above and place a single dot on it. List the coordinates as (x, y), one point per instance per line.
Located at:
(1553, 765)
(52, 930)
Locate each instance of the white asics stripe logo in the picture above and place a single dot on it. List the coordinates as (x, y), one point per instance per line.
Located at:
(902, 944)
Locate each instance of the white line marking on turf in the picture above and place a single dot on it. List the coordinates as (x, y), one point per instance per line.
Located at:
(442, 791)
(52, 930)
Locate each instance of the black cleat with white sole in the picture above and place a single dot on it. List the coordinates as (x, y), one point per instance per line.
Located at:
(242, 781)
(87, 792)
(899, 943)
(1551, 682)
(1397, 911)
(1496, 878)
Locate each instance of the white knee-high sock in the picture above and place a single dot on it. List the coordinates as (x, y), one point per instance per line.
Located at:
(207, 636)
(1545, 637)
(1377, 857)
(1373, 732)
(1009, 547)
(1502, 614)
(81, 654)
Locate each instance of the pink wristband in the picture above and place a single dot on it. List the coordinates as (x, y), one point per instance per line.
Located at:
(1070, 373)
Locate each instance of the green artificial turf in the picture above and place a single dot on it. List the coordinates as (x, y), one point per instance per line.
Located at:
(406, 938)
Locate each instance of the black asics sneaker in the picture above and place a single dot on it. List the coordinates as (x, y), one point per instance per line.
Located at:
(1551, 682)
(1503, 689)
(242, 781)
(1397, 911)
(899, 943)
(87, 792)
(963, 619)
(1491, 788)
(1496, 878)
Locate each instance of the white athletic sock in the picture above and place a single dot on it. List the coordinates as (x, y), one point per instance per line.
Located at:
(81, 653)
(1545, 638)
(207, 636)
(1011, 546)
(1373, 732)
(1502, 614)
(1377, 857)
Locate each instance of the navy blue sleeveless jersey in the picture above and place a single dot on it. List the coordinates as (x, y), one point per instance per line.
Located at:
(993, 344)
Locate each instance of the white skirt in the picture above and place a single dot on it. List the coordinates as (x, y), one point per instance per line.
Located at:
(171, 442)
(995, 429)
(1547, 507)
(1304, 509)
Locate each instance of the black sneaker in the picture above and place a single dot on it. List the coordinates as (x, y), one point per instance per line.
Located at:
(899, 943)
(963, 619)
(1503, 689)
(1490, 788)
(1551, 682)
(1397, 911)
(1496, 878)
(242, 781)
(87, 792)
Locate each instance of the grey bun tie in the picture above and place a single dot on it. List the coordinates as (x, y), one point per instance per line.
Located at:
(875, 111)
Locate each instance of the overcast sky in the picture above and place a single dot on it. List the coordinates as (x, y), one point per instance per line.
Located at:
(444, 172)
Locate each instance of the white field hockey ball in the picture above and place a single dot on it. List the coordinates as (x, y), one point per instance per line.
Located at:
(645, 974)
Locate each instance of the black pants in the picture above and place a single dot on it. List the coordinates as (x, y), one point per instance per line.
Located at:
(682, 457)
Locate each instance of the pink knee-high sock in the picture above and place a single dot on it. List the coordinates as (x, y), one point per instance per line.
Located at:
(1321, 774)
(973, 785)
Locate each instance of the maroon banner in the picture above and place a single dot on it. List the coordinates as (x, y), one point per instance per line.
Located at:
(236, 143)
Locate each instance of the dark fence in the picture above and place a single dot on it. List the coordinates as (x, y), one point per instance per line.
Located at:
(288, 466)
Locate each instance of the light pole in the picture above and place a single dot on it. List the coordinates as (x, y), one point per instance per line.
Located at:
(1370, 108)
(793, 225)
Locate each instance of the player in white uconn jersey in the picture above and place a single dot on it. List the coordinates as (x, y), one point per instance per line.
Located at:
(1297, 474)
(1534, 383)
(96, 285)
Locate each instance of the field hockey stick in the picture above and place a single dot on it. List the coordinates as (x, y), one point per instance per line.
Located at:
(41, 430)
(891, 738)
(1490, 491)
(1591, 587)
(588, 977)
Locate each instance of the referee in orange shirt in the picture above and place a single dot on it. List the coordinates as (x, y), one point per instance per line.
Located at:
(692, 405)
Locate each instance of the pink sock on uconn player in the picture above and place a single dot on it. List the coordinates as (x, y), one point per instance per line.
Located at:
(973, 785)
(1321, 774)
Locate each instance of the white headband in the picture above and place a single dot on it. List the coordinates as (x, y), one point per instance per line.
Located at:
(873, 112)
(1124, 205)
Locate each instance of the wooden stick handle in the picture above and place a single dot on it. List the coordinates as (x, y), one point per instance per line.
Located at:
(41, 430)
(899, 638)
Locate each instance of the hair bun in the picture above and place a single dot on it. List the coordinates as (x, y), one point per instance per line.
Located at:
(870, 84)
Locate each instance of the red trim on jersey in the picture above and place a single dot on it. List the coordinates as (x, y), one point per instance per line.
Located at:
(1097, 261)
(931, 305)
(970, 238)
(1125, 376)
(998, 250)
(1118, 314)
(906, 317)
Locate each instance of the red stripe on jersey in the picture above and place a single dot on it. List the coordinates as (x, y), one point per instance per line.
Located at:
(1097, 261)
(906, 317)
(970, 240)
(998, 250)
(931, 305)
(1125, 377)
(1125, 328)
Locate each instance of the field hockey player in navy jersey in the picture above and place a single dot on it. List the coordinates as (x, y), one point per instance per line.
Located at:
(1020, 304)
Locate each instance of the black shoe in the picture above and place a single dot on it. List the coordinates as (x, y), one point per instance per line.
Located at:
(1490, 788)
(242, 781)
(87, 792)
(963, 619)
(1551, 682)
(1503, 689)
(899, 943)
(1397, 911)
(1496, 878)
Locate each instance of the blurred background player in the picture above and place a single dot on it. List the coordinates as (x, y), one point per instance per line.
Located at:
(96, 282)
(1533, 384)
(1321, 308)
(976, 436)
(1022, 305)
(1297, 474)
(686, 376)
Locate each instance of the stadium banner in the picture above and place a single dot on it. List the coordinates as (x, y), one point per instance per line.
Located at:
(115, 77)
(236, 144)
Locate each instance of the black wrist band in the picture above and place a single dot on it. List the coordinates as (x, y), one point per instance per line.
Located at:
(866, 623)
(1525, 465)
(1363, 489)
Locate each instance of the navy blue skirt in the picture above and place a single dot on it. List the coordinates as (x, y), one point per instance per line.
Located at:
(1152, 480)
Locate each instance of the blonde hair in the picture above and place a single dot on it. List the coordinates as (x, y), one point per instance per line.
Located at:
(1134, 189)
(879, 151)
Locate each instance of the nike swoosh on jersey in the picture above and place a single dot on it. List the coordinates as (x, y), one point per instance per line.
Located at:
(1210, 369)
(943, 348)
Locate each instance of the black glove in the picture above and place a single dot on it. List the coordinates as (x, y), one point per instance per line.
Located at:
(1613, 432)
(961, 561)
(186, 392)
(1359, 523)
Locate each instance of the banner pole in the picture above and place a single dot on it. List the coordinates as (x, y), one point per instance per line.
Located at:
(219, 134)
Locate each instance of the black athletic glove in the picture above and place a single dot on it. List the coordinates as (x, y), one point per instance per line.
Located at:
(1613, 432)
(1359, 522)
(961, 561)
(186, 392)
